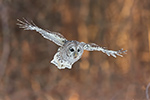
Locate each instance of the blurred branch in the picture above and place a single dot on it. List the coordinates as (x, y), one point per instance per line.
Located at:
(6, 38)
(147, 96)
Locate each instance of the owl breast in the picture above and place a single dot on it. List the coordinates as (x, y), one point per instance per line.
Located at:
(67, 55)
(60, 62)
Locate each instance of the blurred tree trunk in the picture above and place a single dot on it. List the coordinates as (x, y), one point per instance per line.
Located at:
(6, 38)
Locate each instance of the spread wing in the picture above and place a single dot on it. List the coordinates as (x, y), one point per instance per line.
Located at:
(52, 36)
(95, 47)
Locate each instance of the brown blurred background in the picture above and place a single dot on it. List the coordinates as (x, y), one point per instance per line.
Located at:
(25, 69)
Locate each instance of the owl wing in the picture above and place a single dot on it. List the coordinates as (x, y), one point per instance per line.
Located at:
(52, 36)
(95, 47)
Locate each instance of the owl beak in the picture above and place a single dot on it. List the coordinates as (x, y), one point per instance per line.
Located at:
(75, 55)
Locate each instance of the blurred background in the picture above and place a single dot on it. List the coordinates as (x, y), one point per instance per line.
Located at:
(25, 69)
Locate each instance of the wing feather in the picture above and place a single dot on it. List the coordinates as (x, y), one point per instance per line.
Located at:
(95, 47)
(52, 36)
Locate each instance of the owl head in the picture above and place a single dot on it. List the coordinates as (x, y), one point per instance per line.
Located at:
(72, 51)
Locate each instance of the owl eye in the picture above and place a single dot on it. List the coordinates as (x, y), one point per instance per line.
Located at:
(78, 50)
(71, 49)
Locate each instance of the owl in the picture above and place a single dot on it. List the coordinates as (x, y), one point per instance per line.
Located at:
(69, 51)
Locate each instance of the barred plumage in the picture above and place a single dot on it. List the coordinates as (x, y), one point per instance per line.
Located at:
(69, 51)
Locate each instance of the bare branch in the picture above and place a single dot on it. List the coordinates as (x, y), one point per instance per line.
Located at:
(147, 95)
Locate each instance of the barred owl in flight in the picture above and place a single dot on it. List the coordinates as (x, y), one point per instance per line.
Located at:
(69, 51)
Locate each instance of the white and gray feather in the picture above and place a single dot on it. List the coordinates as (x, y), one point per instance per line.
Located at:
(53, 36)
(95, 47)
(69, 51)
